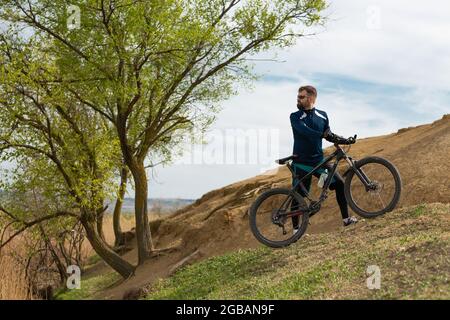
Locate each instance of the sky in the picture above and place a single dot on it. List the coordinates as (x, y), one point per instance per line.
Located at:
(378, 66)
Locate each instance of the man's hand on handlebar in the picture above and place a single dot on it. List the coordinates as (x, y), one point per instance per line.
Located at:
(352, 140)
(334, 138)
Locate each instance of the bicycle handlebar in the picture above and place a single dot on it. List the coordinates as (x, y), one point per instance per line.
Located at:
(353, 139)
(350, 140)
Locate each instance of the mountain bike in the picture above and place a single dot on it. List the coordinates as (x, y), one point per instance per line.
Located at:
(372, 187)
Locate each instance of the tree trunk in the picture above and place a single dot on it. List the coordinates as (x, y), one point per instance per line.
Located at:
(99, 222)
(120, 265)
(136, 166)
(143, 234)
(118, 234)
(59, 265)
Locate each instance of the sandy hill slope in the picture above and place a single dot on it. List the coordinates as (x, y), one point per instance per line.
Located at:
(217, 223)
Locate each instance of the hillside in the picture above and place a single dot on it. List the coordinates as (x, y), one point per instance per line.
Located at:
(409, 246)
(217, 223)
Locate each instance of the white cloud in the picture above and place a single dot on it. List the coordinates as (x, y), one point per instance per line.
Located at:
(410, 48)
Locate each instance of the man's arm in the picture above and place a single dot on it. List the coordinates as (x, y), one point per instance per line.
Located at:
(334, 138)
(300, 127)
(327, 126)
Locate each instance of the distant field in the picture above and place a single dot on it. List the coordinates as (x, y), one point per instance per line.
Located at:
(154, 205)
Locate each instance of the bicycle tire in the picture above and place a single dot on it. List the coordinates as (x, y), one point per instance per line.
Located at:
(398, 187)
(254, 209)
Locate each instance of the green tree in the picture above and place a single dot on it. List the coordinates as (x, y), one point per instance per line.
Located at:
(67, 152)
(157, 69)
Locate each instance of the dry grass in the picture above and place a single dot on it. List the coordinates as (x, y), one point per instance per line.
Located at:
(13, 285)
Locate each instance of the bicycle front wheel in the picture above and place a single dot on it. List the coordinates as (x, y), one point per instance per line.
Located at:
(382, 194)
(270, 220)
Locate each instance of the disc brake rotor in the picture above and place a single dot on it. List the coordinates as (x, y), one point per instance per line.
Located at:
(376, 188)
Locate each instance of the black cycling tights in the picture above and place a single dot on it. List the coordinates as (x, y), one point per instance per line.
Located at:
(337, 184)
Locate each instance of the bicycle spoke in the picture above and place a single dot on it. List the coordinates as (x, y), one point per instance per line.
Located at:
(272, 221)
(384, 206)
(381, 190)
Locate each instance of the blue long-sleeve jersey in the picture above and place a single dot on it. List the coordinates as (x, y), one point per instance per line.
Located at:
(308, 127)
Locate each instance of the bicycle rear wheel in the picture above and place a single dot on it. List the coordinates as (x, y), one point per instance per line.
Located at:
(384, 192)
(268, 221)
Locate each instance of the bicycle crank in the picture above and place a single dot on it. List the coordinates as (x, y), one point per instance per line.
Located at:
(314, 207)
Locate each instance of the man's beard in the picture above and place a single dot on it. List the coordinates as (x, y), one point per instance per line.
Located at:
(299, 106)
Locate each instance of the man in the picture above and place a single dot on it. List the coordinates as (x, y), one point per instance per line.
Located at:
(309, 126)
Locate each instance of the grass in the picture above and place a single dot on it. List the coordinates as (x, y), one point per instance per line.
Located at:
(13, 284)
(89, 287)
(410, 247)
(419, 210)
(95, 258)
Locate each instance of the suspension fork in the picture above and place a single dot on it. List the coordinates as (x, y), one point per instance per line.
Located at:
(358, 171)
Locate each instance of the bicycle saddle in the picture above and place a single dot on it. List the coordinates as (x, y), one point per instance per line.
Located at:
(284, 160)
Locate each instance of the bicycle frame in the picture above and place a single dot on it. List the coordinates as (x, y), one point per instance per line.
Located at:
(283, 204)
(339, 154)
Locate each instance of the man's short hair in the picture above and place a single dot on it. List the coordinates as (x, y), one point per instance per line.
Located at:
(310, 90)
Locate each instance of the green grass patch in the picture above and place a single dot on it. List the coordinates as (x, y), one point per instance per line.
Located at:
(93, 259)
(201, 280)
(418, 211)
(412, 255)
(89, 287)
